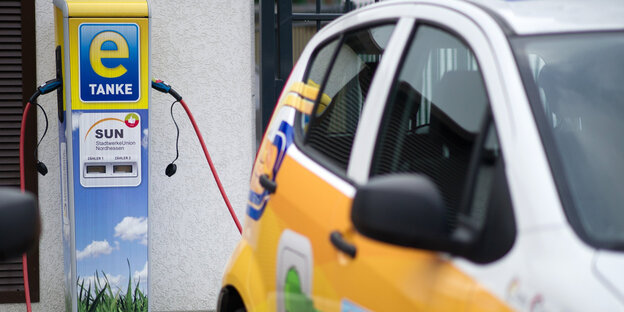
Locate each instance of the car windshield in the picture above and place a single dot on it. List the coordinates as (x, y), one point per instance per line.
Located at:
(575, 83)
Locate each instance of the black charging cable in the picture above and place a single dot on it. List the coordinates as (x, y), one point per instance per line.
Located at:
(41, 167)
(46, 87)
(163, 87)
(171, 168)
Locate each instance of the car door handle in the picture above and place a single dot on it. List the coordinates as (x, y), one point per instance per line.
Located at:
(268, 185)
(338, 241)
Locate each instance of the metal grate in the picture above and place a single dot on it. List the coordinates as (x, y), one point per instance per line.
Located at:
(276, 43)
(10, 92)
(11, 275)
(17, 82)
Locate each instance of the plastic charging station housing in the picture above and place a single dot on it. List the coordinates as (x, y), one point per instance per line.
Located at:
(102, 52)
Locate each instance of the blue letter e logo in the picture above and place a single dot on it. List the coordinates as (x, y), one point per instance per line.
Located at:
(109, 63)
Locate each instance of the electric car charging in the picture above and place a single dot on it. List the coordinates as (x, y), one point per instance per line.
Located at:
(423, 155)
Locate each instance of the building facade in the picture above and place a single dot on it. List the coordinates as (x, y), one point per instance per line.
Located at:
(205, 50)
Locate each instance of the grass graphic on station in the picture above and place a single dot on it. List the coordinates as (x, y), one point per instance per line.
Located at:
(102, 298)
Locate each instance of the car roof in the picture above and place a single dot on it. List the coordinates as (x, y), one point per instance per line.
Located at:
(533, 17)
(526, 17)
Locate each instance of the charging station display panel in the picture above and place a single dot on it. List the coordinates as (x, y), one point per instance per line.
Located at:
(109, 120)
(110, 149)
(110, 70)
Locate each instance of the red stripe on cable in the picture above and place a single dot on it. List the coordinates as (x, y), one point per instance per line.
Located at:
(212, 168)
(23, 188)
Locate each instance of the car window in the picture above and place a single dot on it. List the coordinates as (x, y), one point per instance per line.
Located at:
(574, 85)
(352, 63)
(436, 109)
(322, 61)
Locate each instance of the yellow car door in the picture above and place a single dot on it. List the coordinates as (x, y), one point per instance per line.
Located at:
(302, 165)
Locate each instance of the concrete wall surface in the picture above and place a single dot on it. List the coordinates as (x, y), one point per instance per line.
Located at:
(205, 50)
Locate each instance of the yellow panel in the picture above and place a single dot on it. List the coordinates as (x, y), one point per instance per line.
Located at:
(109, 8)
(484, 301)
(58, 22)
(58, 34)
(77, 103)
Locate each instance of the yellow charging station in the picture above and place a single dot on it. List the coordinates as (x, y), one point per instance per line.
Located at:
(102, 55)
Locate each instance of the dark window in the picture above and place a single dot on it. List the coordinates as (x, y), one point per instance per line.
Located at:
(436, 110)
(17, 83)
(437, 123)
(344, 89)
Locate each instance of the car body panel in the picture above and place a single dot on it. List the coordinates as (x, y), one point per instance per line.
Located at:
(539, 17)
(312, 216)
(291, 228)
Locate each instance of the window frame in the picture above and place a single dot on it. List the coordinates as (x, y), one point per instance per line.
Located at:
(299, 137)
(464, 208)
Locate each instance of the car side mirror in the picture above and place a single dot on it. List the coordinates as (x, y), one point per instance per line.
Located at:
(20, 224)
(403, 209)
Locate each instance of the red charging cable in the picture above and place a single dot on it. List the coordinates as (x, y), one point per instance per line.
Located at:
(47, 87)
(163, 87)
(23, 188)
(212, 167)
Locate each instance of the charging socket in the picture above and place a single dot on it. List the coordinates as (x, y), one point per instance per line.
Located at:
(110, 170)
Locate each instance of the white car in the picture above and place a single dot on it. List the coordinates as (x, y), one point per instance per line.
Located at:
(434, 155)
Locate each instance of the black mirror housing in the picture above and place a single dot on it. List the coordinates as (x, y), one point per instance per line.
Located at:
(20, 224)
(405, 210)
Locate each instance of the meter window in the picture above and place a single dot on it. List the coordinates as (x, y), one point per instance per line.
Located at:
(122, 169)
(96, 169)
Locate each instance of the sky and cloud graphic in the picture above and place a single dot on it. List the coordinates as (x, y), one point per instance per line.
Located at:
(132, 229)
(111, 223)
(95, 249)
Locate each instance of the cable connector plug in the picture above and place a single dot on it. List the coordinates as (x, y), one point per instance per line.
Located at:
(42, 168)
(163, 87)
(160, 85)
(46, 87)
(49, 86)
